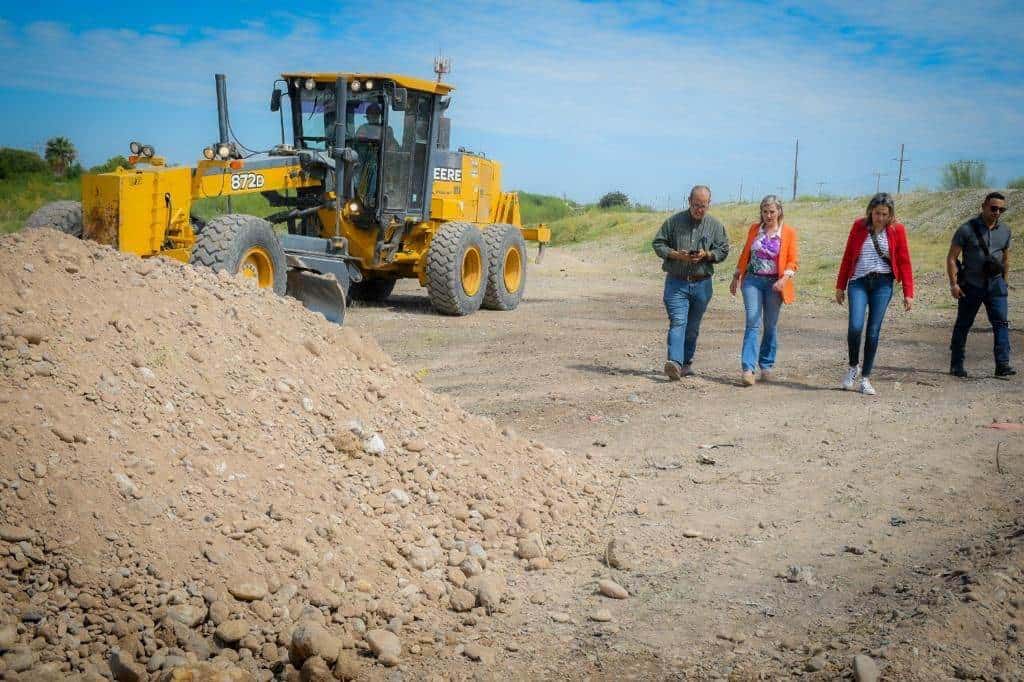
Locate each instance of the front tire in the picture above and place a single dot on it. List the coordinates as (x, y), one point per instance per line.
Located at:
(240, 243)
(65, 216)
(506, 268)
(457, 269)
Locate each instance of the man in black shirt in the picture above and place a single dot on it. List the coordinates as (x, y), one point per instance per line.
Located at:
(980, 279)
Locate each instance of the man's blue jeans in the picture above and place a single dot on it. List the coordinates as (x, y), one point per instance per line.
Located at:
(994, 298)
(762, 303)
(869, 294)
(685, 303)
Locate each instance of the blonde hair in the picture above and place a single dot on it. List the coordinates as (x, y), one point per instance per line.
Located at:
(771, 200)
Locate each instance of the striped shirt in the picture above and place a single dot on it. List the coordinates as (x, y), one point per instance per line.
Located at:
(869, 260)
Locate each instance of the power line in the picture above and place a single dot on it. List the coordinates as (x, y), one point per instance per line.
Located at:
(796, 158)
(900, 178)
(878, 180)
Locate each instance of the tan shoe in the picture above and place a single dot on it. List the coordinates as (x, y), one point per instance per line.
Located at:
(673, 371)
(748, 379)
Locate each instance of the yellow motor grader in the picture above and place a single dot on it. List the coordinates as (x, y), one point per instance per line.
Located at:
(369, 192)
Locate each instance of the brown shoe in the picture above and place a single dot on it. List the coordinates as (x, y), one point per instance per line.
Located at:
(687, 371)
(766, 375)
(748, 379)
(673, 371)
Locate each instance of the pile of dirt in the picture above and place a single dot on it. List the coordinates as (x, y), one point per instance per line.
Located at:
(194, 471)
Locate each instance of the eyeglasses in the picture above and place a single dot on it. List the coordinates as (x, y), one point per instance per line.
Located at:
(997, 209)
(700, 206)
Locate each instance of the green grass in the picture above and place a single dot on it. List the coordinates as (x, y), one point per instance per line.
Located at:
(21, 195)
(541, 208)
(823, 225)
(253, 204)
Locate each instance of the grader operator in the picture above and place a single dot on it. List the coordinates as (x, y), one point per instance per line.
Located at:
(367, 198)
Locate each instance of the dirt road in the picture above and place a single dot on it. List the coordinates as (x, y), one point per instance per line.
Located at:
(777, 529)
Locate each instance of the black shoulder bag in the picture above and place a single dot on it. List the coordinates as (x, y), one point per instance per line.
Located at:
(990, 267)
(878, 248)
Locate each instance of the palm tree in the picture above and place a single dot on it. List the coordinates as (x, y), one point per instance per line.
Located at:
(60, 154)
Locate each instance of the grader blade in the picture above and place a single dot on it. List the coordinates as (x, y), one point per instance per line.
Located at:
(319, 293)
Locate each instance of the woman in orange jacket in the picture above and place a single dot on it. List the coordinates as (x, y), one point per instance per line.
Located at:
(764, 274)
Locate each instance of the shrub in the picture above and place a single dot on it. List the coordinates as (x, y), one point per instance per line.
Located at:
(964, 175)
(110, 164)
(15, 162)
(613, 199)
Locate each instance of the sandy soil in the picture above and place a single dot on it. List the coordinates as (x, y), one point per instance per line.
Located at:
(199, 478)
(827, 523)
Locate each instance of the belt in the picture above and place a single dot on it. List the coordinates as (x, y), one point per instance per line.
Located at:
(694, 278)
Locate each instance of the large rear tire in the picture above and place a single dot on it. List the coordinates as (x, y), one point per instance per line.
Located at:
(65, 216)
(243, 243)
(371, 290)
(457, 269)
(506, 268)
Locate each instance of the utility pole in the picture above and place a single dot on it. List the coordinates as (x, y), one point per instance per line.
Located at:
(899, 178)
(740, 195)
(796, 159)
(878, 180)
(820, 184)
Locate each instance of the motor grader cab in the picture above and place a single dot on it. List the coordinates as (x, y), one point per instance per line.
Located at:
(368, 192)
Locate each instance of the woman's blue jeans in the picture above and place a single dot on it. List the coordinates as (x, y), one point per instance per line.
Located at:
(871, 295)
(762, 304)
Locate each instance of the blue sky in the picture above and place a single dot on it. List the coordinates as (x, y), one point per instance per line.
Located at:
(573, 97)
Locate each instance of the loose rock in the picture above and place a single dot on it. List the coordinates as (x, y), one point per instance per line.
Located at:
(385, 645)
(612, 589)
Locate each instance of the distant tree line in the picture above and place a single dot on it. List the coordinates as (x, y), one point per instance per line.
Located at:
(60, 159)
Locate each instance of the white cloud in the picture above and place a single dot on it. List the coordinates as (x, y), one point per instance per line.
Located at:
(699, 89)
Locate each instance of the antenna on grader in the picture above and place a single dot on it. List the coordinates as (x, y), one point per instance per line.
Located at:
(442, 66)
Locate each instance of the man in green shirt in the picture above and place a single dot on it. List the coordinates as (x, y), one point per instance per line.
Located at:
(689, 243)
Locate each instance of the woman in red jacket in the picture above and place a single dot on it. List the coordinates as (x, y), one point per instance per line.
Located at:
(876, 256)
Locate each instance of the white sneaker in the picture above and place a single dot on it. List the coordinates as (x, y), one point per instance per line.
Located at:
(865, 386)
(851, 376)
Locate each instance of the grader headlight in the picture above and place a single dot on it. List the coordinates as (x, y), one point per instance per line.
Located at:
(356, 86)
(135, 148)
(148, 151)
(368, 84)
(223, 151)
(310, 84)
(208, 153)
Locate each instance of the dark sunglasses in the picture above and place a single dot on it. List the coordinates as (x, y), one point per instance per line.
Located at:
(997, 209)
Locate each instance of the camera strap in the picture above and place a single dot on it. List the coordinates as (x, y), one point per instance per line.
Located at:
(976, 225)
(981, 240)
